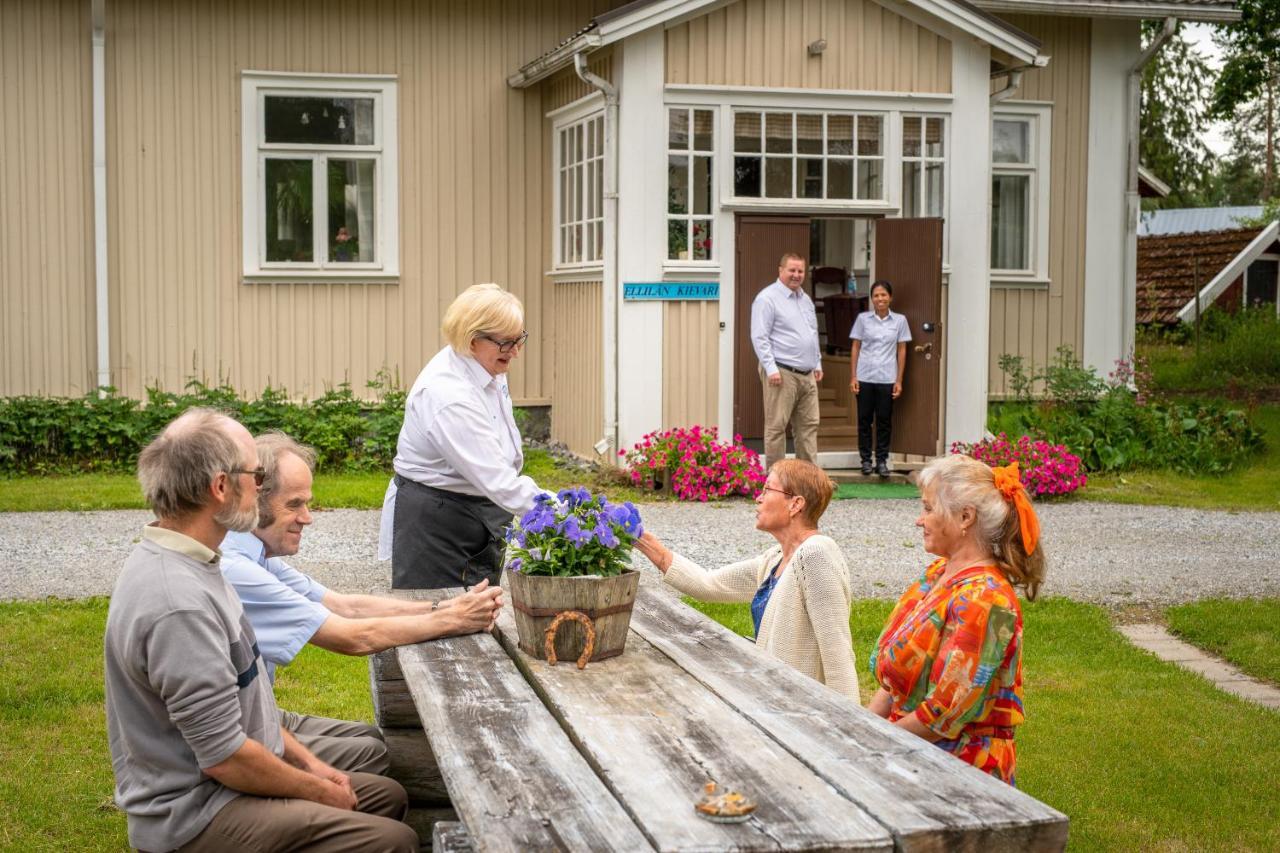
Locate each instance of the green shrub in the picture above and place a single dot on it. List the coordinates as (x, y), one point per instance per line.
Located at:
(106, 431)
(1113, 428)
(1238, 354)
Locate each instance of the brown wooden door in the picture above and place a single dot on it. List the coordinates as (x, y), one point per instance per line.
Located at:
(761, 242)
(908, 253)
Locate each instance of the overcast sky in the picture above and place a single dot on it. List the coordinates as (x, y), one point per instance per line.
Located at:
(1201, 36)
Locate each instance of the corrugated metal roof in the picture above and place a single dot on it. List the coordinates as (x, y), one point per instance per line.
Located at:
(1195, 220)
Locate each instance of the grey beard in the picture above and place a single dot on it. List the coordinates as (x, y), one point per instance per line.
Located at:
(234, 518)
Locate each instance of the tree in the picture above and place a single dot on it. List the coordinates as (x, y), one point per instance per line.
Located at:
(1248, 90)
(1176, 86)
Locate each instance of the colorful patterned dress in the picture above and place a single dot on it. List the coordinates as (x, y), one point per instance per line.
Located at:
(952, 655)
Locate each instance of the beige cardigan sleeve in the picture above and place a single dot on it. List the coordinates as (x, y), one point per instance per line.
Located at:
(823, 578)
(734, 582)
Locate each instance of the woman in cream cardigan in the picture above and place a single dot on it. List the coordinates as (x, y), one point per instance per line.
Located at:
(798, 589)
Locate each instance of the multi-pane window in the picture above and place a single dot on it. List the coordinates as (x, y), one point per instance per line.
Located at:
(319, 176)
(924, 165)
(690, 183)
(1013, 189)
(804, 155)
(580, 192)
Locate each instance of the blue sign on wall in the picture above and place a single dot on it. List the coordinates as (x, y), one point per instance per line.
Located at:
(670, 290)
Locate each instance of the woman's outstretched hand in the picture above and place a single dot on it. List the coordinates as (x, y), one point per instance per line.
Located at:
(660, 555)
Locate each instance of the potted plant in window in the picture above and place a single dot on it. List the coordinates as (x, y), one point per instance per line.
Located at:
(570, 577)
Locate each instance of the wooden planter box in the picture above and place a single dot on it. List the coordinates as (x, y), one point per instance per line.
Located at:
(607, 602)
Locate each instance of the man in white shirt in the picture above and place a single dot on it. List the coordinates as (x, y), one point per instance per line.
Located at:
(289, 609)
(784, 333)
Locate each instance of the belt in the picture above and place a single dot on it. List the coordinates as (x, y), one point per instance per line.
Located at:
(793, 369)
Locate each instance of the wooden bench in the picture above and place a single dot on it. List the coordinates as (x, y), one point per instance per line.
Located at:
(613, 757)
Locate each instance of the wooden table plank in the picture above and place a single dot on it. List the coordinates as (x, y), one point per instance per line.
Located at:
(927, 799)
(655, 736)
(513, 775)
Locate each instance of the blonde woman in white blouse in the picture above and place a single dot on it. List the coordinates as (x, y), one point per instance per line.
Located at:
(798, 589)
(458, 482)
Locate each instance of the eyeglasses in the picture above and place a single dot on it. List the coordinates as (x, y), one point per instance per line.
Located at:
(779, 491)
(507, 346)
(259, 474)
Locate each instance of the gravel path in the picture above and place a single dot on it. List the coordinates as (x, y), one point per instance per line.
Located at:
(1103, 553)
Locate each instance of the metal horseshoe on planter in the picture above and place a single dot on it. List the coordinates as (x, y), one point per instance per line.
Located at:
(549, 637)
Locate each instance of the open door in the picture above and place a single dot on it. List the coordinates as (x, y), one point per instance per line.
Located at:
(908, 254)
(761, 242)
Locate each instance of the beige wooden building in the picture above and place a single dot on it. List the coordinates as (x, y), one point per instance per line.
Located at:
(290, 193)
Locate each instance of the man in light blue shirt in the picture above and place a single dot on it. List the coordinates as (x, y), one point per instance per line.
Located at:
(784, 334)
(289, 609)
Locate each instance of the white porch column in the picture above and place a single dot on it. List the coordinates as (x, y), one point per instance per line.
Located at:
(969, 290)
(642, 233)
(1108, 297)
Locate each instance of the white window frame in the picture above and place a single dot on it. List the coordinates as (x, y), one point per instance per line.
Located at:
(689, 216)
(1039, 118)
(589, 110)
(924, 160)
(886, 157)
(1268, 258)
(254, 87)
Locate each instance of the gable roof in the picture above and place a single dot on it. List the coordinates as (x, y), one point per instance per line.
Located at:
(1265, 241)
(1168, 265)
(1186, 10)
(640, 15)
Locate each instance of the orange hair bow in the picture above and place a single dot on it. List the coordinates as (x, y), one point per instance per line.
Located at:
(1009, 482)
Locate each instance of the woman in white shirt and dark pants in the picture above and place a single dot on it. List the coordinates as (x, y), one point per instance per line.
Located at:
(879, 356)
(457, 468)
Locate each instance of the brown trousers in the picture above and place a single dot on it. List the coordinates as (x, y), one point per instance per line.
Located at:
(795, 401)
(256, 824)
(348, 746)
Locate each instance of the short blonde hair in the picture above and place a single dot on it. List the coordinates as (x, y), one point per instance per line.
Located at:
(792, 256)
(482, 309)
(960, 481)
(806, 480)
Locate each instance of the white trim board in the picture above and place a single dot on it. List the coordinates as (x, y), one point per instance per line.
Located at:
(1211, 291)
(632, 19)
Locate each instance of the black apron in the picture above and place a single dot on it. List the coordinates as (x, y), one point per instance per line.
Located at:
(445, 539)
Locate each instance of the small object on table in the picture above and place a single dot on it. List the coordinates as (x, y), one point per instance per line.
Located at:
(727, 807)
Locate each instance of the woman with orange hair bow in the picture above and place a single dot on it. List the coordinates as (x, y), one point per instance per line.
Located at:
(949, 660)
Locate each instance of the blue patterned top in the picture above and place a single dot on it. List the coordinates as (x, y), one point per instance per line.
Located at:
(761, 600)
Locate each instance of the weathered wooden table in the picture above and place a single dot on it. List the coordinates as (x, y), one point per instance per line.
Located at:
(613, 757)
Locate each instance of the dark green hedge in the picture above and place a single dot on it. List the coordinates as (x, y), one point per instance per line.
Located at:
(106, 431)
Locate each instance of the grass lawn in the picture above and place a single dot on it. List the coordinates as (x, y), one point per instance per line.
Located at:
(363, 490)
(877, 491)
(1244, 631)
(55, 773)
(1129, 747)
(1253, 488)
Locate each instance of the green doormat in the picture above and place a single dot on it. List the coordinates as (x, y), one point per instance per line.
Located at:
(879, 491)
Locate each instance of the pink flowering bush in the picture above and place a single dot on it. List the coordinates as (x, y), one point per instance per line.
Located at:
(700, 466)
(1046, 469)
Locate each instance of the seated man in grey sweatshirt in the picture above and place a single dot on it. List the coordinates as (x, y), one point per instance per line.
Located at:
(289, 609)
(200, 759)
